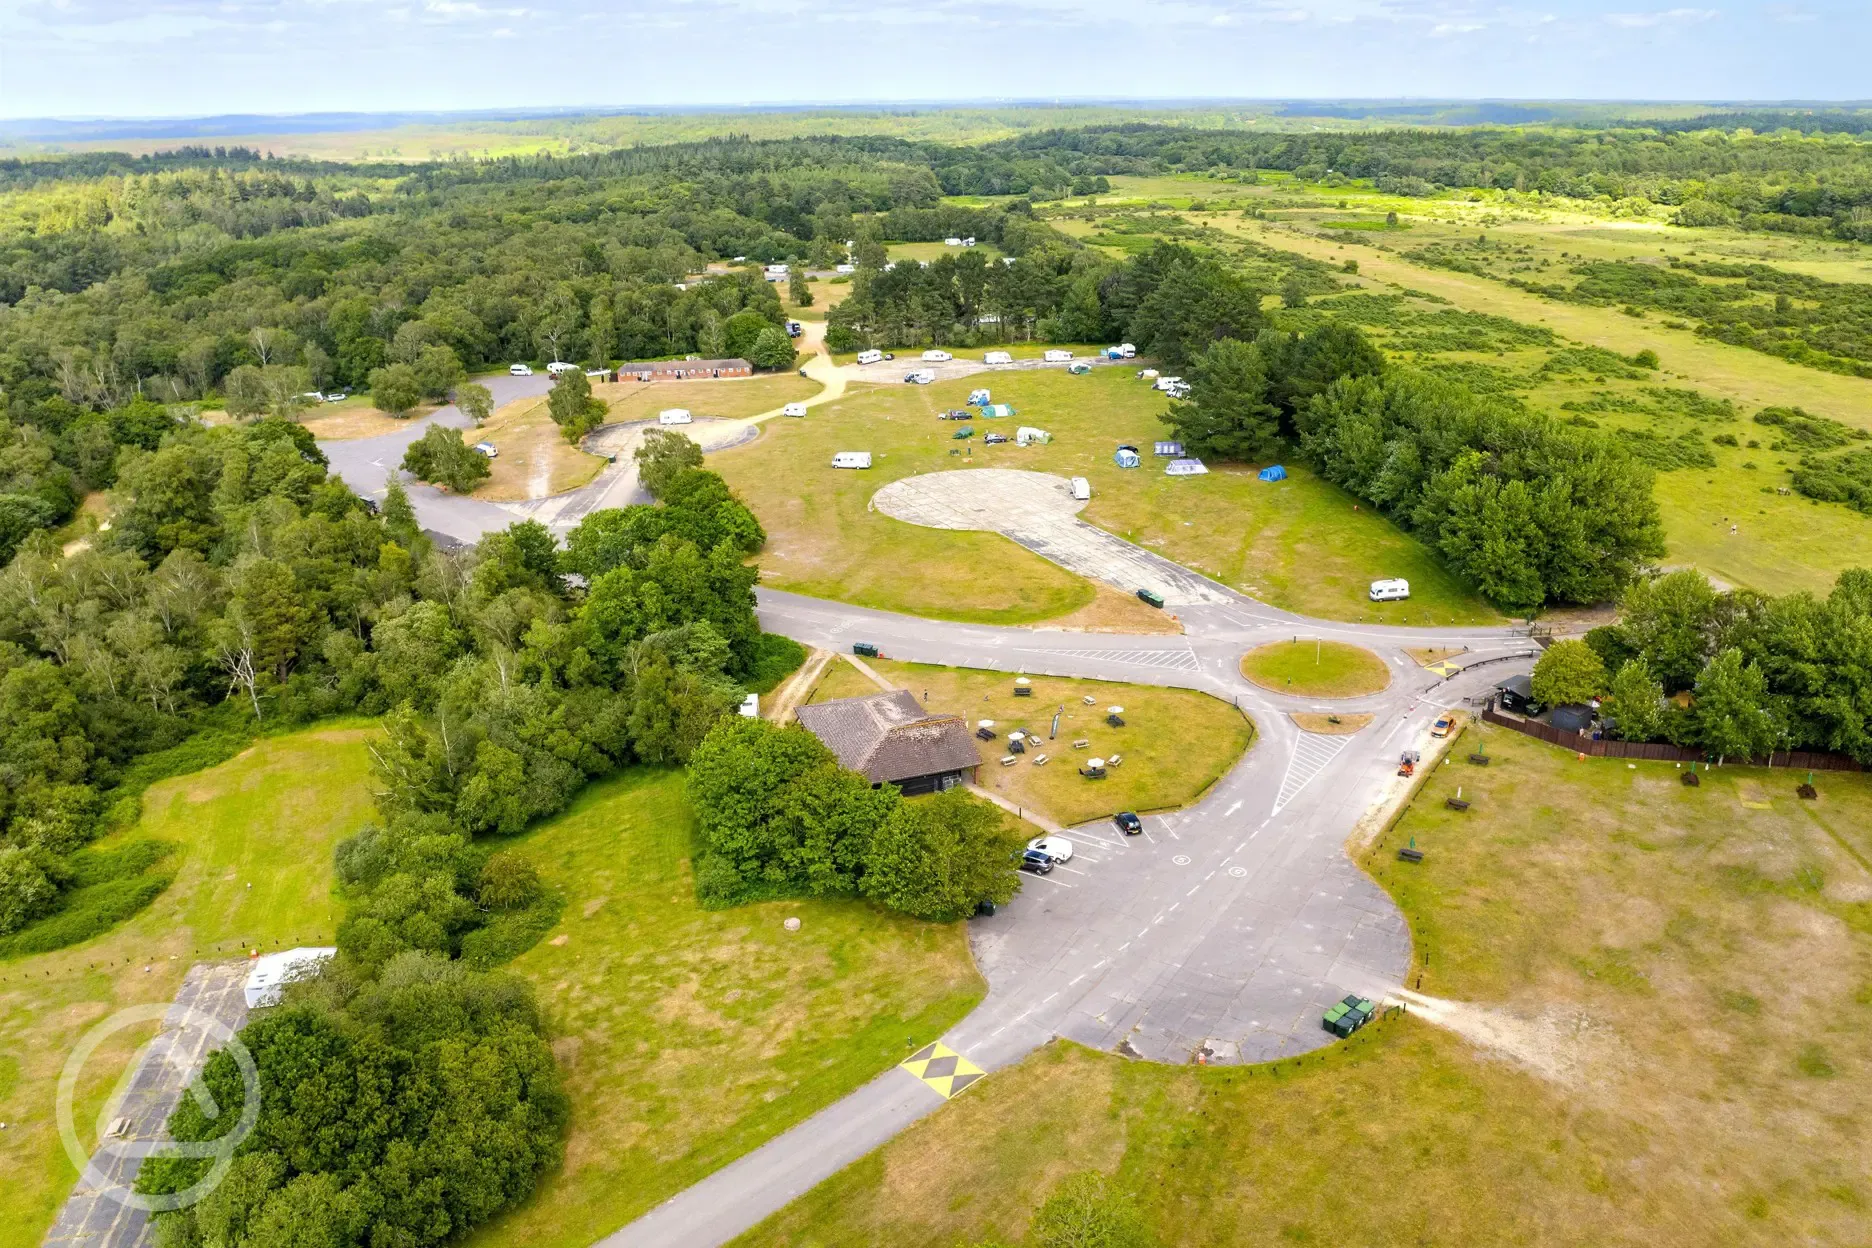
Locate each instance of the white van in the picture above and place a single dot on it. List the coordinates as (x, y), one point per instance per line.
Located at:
(851, 459)
(519, 370)
(1127, 350)
(998, 357)
(1058, 357)
(1081, 489)
(1390, 591)
(793, 409)
(937, 357)
(675, 416)
(872, 356)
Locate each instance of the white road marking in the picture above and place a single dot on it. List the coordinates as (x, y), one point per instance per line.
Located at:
(1310, 757)
(1231, 810)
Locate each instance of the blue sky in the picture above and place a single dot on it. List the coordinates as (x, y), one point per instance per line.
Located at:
(190, 57)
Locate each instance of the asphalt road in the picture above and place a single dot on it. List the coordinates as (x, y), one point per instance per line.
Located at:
(1220, 935)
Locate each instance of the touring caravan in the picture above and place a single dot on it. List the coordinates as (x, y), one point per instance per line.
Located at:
(873, 356)
(675, 416)
(937, 357)
(1081, 489)
(793, 409)
(851, 459)
(1058, 357)
(998, 357)
(1394, 590)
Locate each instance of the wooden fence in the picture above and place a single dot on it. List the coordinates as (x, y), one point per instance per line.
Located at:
(1657, 751)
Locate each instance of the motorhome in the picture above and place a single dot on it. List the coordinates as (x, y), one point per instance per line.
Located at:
(519, 370)
(921, 377)
(1394, 590)
(793, 409)
(560, 366)
(851, 459)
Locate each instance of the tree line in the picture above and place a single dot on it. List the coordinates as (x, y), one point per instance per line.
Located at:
(1732, 672)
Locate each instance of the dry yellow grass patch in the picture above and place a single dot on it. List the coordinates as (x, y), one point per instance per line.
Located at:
(1114, 612)
(535, 459)
(1329, 725)
(356, 419)
(1426, 655)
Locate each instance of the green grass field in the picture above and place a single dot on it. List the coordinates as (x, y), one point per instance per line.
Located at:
(688, 1037)
(1315, 668)
(1658, 1027)
(1175, 742)
(254, 838)
(1299, 544)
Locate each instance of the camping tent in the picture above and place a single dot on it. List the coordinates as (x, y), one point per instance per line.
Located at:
(1126, 457)
(1273, 472)
(994, 411)
(1027, 434)
(1185, 468)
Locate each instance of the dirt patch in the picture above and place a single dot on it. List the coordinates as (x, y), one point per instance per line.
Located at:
(535, 460)
(1113, 612)
(1329, 725)
(1561, 1044)
(786, 699)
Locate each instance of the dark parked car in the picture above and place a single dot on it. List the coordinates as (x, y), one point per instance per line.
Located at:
(956, 413)
(1035, 861)
(1128, 823)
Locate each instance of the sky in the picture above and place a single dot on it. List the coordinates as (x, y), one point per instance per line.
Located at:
(176, 58)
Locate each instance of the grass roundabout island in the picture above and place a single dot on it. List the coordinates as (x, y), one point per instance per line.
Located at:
(1316, 669)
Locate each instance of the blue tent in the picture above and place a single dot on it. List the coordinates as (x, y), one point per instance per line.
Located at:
(1273, 472)
(1126, 457)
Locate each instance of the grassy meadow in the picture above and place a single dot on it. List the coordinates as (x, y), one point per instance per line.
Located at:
(254, 839)
(1298, 544)
(1653, 1006)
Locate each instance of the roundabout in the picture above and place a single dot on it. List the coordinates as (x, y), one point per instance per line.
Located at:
(1316, 669)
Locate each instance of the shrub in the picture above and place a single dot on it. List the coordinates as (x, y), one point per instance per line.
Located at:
(440, 456)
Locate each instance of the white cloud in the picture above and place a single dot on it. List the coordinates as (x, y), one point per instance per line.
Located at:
(1666, 17)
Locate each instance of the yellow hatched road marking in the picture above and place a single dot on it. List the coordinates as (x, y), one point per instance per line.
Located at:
(943, 1069)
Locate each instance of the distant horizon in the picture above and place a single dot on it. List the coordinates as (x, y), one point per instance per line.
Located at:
(517, 112)
(123, 59)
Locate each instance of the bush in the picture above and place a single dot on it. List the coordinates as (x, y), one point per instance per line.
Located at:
(775, 658)
(26, 890)
(441, 457)
(102, 888)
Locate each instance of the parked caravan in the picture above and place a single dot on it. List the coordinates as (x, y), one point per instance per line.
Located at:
(1395, 590)
(998, 357)
(675, 416)
(1081, 489)
(921, 377)
(937, 357)
(872, 356)
(793, 409)
(852, 459)
(1057, 357)
(560, 366)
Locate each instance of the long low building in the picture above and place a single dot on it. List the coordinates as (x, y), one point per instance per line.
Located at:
(683, 370)
(890, 738)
